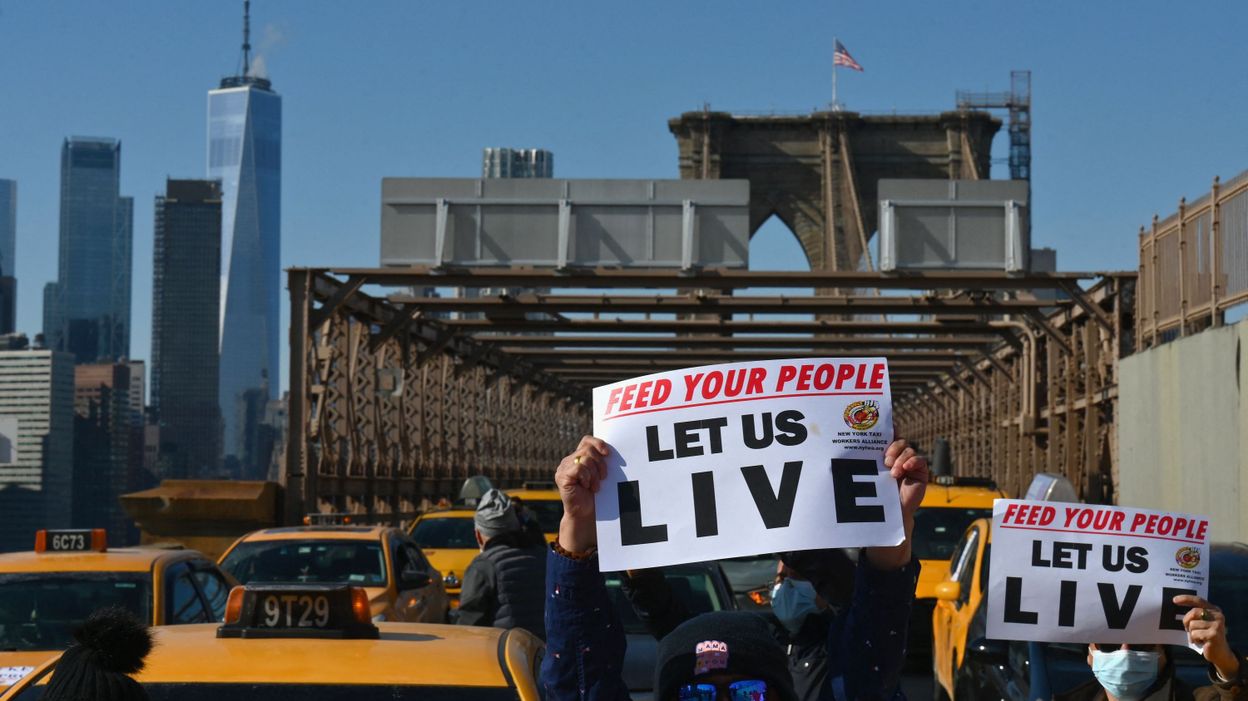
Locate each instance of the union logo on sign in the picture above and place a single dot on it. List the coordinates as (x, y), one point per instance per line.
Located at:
(862, 415)
(1187, 557)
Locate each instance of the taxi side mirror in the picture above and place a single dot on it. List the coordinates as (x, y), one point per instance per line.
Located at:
(948, 591)
(414, 580)
(989, 652)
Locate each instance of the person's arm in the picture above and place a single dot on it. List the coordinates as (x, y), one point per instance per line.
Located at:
(1206, 625)
(872, 641)
(584, 639)
(478, 601)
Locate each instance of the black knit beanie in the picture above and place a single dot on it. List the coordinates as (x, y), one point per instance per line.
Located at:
(110, 647)
(729, 642)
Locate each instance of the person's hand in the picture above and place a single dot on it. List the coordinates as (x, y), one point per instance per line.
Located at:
(1206, 626)
(910, 470)
(577, 479)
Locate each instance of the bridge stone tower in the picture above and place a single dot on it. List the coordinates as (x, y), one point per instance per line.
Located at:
(819, 172)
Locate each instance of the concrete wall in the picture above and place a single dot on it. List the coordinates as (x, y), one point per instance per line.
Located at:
(1183, 429)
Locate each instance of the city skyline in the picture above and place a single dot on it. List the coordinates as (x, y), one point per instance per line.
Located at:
(439, 109)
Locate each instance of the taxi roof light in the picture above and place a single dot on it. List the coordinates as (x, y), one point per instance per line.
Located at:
(79, 540)
(234, 606)
(361, 606)
(289, 610)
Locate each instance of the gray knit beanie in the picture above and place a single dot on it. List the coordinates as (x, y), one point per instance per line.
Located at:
(496, 514)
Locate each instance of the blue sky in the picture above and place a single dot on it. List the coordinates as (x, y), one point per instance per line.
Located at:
(1135, 104)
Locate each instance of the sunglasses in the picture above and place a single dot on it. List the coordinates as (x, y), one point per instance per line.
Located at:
(743, 690)
(1111, 647)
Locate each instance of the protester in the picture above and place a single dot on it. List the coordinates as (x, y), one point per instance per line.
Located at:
(805, 623)
(109, 647)
(529, 523)
(1146, 672)
(503, 586)
(732, 654)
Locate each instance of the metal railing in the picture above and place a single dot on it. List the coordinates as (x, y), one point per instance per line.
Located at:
(1194, 264)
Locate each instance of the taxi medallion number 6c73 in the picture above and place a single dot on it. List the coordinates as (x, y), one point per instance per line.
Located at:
(296, 611)
(69, 541)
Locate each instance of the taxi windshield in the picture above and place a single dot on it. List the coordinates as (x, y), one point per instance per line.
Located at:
(454, 533)
(309, 692)
(39, 611)
(321, 561)
(937, 530)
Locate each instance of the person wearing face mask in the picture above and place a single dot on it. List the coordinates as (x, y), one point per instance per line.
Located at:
(805, 622)
(1133, 672)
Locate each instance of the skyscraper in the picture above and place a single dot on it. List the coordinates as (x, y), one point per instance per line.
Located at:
(185, 324)
(245, 154)
(517, 163)
(107, 460)
(36, 444)
(8, 247)
(90, 315)
(8, 227)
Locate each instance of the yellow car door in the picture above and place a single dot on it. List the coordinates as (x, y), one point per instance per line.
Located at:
(951, 613)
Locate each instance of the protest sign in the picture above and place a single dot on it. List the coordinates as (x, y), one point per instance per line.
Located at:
(745, 458)
(1081, 573)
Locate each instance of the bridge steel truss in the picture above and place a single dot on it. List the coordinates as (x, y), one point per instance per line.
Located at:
(397, 394)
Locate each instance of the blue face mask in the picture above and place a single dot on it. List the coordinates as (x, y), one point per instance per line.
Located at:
(1126, 674)
(792, 601)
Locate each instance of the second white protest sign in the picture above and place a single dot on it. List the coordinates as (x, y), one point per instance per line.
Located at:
(1082, 573)
(745, 458)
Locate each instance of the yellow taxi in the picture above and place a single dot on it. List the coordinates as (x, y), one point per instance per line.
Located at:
(293, 642)
(949, 506)
(958, 618)
(542, 500)
(448, 539)
(46, 593)
(401, 583)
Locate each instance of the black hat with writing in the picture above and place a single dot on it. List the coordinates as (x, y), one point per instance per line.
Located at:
(108, 648)
(722, 642)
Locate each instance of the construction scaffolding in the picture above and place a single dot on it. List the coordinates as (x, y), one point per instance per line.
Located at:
(398, 394)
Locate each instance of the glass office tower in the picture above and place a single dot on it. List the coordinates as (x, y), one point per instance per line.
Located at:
(186, 282)
(90, 315)
(245, 154)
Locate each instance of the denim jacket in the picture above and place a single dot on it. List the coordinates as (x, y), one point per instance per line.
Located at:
(585, 642)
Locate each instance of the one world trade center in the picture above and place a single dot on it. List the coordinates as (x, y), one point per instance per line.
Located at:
(245, 154)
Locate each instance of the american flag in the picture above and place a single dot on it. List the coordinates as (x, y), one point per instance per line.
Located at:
(841, 57)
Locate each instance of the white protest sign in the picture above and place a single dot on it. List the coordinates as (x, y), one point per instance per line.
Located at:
(745, 458)
(1077, 573)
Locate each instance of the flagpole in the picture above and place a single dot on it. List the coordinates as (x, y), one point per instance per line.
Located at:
(833, 74)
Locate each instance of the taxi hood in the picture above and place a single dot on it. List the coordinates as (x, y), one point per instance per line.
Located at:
(451, 560)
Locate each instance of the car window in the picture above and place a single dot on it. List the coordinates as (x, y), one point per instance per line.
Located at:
(185, 606)
(40, 610)
(692, 586)
(418, 560)
(358, 562)
(457, 533)
(967, 571)
(937, 529)
(215, 589)
(958, 559)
